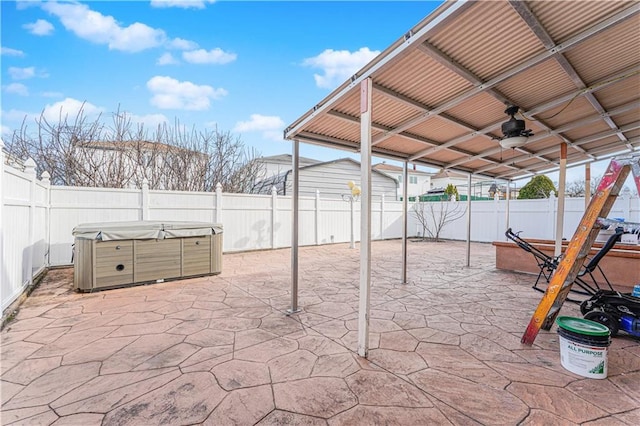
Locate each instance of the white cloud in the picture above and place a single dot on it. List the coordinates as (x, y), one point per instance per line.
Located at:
(213, 56)
(17, 89)
(5, 131)
(339, 65)
(184, 4)
(169, 93)
(182, 44)
(52, 94)
(11, 52)
(166, 59)
(149, 120)
(101, 29)
(270, 125)
(22, 73)
(69, 108)
(40, 27)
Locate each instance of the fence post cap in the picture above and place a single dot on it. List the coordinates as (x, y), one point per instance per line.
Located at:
(218, 186)
(45, 176)
(30, 165)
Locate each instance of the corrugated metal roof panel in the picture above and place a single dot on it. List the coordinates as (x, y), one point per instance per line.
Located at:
(584, 131)
(422, 79)
(543, 83)
(335, 128)
(479, 39)
(567, 113)
(390, 113)
(627, 118)
(563, 19)
(620, 93)
(479, 111)
(614, 49)
(402, 145)
(438, 129)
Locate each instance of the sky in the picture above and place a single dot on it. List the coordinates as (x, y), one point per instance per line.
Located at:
(251, 68)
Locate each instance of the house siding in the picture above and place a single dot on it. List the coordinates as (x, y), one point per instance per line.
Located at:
(331, 179)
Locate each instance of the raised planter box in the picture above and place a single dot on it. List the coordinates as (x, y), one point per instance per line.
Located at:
(621, 265)
(118, 254)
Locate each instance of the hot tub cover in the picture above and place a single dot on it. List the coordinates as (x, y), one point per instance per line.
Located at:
(144, 230)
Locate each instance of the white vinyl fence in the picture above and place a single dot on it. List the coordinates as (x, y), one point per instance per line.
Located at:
(37, 219)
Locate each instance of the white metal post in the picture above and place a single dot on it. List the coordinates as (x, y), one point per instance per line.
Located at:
(366, 88)
(469, 222)
(2, 212)
(405, 219)
(317, 216)
(561, 190)
(294, 226)
(508, 205)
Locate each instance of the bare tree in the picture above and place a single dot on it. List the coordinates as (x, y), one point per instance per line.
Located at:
(433, 216)
(577, 187)
(83, 152)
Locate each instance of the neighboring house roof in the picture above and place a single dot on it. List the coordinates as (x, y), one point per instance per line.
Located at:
(390, 168)
(286, 158)
(346, 159)
(122, 145)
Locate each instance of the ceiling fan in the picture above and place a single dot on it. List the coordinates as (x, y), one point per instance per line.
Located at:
(514, 132)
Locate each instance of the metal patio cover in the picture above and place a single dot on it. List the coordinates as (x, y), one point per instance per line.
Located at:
(440, 91)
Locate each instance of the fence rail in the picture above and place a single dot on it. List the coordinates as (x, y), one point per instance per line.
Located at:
(37, 219)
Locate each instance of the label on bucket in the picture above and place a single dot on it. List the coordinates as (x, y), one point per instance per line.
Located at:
(585, 360)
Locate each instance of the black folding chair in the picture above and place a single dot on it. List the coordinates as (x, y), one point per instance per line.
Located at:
(548, 265)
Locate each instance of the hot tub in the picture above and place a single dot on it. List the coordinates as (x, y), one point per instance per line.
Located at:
(118, 254)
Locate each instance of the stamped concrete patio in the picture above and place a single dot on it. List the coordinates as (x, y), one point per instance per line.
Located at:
(219, 350)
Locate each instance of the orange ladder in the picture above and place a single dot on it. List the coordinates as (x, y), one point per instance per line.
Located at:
(581, 243)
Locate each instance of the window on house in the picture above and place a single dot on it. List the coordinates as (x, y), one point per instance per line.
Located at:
(413, 179)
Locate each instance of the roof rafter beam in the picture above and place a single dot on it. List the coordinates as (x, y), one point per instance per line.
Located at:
(634, 141)
(531, 62)
(412, 137)
(582, 141)
(538, 29)
(601, 84)
(419, 106)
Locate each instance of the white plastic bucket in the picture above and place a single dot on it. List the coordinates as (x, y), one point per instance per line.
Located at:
(583, 346)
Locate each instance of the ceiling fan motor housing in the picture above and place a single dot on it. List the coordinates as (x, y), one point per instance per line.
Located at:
(513, 127)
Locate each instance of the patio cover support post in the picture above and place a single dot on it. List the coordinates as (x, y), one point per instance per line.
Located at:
(507, 213)
(366, 89)
(294, 228)
(561, 189)
(469, 222)
(587, 185)
(405, 214)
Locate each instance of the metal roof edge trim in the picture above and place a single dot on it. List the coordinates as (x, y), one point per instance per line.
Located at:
(443, 13)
